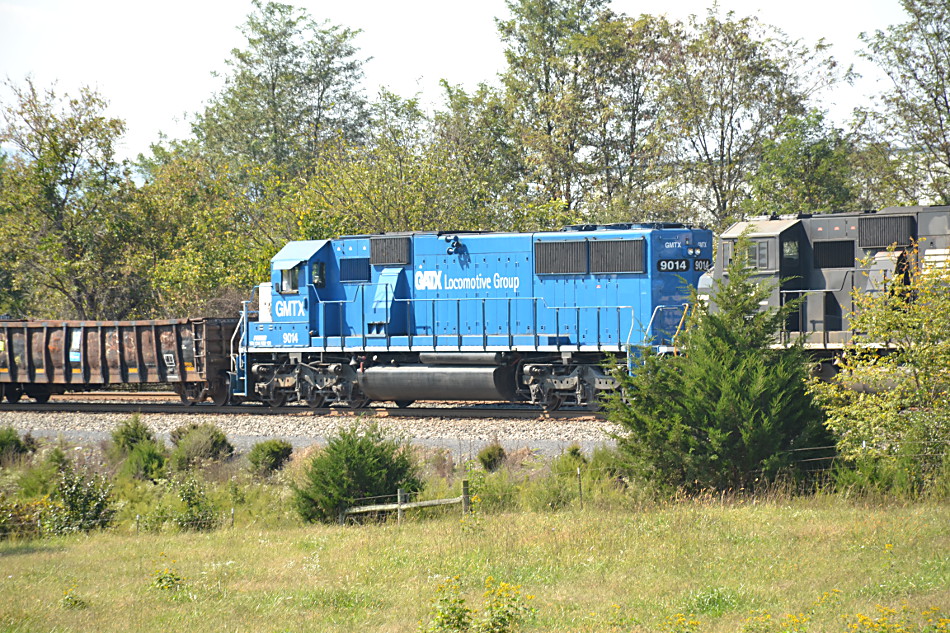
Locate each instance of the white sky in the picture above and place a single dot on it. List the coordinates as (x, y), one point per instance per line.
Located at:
(153, 60)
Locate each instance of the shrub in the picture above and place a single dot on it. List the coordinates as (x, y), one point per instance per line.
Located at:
(195, 443)
(21, 518)
(729, 412)
(505, 609)
(41, 478)
(198, 513)
(129, 434)
(83, 503)
(145, 461)
(269, 455)
(492, 456)
(12, 446)
(356, 463)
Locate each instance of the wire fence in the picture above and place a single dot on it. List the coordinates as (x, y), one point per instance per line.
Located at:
(20, 520)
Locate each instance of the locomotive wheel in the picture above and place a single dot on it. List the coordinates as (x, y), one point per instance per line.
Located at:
(596, 403)
(277, 400)
(402, 404)
(553, 402)
(317, 401)
(358, 402)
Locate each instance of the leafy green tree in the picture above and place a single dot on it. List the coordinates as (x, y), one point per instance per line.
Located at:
(725, 413)
(294, 87)
(628, 136)
(354, 464)
(206, 244)
(728, 84)
(916, 55)
(83, 502)
(807, 168)
(546, 86)
(891, 403)
(64, 220)
(883, 173)
(475, 139)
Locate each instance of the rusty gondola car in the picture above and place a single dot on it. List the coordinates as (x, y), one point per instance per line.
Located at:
(42, 358)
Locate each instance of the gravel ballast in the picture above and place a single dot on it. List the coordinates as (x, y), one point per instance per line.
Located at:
(464, 437)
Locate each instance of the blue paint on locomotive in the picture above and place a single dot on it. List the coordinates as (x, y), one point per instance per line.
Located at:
(572, 290)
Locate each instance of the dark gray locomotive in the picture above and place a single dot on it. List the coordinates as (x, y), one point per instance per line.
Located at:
(823, 258)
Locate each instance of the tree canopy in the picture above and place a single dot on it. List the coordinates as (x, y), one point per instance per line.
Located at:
(597, 117)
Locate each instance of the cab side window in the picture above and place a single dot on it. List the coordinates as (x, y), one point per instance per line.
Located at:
(288, 280)
(758, 255)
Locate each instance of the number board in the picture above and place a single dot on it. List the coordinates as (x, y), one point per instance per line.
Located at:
(672, 265)
(682, 265)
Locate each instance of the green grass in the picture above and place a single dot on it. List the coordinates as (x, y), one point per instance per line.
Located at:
(594, 570)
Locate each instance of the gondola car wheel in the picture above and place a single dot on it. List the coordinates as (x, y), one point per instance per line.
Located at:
(41, 398)
(402, 404)
(221, 390)
(14, 393)
(189, 392)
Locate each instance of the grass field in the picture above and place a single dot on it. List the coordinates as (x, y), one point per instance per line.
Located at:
(810, 564)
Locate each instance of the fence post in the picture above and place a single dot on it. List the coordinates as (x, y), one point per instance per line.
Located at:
(232, 516)
(342, 517)
(400, 499)
(136, 524)
(580, 488)
(466, 501)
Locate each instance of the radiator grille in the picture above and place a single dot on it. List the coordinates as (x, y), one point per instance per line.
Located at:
(882, 231)
(390, 251)
(560, 258)
(356, 269)
(618, 256)
(834, 254)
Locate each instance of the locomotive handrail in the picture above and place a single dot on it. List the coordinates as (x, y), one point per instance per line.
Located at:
(660, 308)
(534, 301)
(242, 331)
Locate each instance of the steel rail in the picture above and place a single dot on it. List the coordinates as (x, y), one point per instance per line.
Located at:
(461, 411)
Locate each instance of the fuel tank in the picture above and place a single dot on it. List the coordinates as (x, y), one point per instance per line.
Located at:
(442, 382)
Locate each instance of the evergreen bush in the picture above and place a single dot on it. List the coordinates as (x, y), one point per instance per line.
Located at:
(269, 455)
(356, 463)
(145, 461)
(12, 446)
(129, 433)
(492, 456)
(196, 443)
(728, 411)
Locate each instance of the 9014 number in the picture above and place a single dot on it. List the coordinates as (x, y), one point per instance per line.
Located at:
(672, 265)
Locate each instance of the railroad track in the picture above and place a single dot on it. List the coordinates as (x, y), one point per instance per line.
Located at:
(168, 404)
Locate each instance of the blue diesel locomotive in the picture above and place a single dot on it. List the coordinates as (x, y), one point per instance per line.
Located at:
(530, 317)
